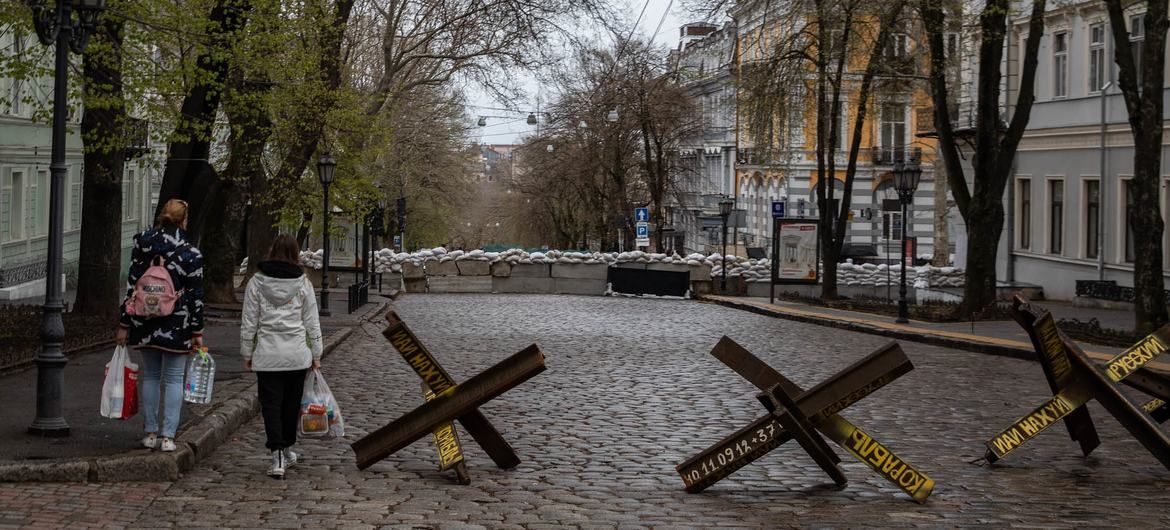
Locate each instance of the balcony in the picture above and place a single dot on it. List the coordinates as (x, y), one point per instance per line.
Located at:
(887, 156)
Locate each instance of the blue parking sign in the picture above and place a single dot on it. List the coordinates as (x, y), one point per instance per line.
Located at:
(778, 209)
(642, 215)
(643, 230)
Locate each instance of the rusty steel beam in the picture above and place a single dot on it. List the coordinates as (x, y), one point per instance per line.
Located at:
(797, 425)
(857, 442)
(447, 446)
(452, 403)
(1050, 350)
(764, 434)
(435, 377)
(1135, 420)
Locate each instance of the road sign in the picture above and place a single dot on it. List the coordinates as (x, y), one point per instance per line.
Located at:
(778, 209)
(800, 207)
(642, 230)
(642, 215)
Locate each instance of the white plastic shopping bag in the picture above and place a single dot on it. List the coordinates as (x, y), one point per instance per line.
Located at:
(120, 389)
(320, 414)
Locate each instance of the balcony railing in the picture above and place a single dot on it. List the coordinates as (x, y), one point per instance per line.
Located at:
(137, 138)
(886, 156)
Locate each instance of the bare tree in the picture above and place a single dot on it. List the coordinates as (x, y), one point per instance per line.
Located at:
(1140, 78)
(980, 201)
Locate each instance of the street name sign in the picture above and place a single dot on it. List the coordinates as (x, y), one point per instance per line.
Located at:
(806, 416)
(451, 402)
(1075, 380)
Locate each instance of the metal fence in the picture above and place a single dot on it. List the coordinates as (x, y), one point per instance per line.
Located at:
(359, 295)
(1107, 290)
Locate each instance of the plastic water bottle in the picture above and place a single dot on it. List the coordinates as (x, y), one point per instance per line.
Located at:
(200, 378)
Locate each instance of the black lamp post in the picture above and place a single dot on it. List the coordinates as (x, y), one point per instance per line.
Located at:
(325, 167)
(725, 206)
(905, 182)
(57, 26)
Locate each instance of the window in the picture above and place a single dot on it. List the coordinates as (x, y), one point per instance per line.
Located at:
(1092, 217)
(952, 45)
(1025, 194)
(128, 192)
(842, 124)
(1096, 57)
(16, 89)
(1127, 196)
(1055, 216)
(893, 130)
(1137, 41)
(1060, 64)
(16, 205)
(39, 211)
(5, 209)
(896, 49)
(892, 226)
(75, 200)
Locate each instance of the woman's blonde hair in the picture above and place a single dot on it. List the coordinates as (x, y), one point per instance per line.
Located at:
(173, 213)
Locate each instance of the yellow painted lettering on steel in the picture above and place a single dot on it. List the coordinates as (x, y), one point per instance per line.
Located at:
(1054, 348)
(1153, 405)
(1135, 357)
(1030, 425)
(882, 460)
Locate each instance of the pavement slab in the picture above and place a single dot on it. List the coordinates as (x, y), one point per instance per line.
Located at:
(631, 390)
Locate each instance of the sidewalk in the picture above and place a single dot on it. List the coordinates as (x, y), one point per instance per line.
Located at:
(93, 438)
(1001, 337)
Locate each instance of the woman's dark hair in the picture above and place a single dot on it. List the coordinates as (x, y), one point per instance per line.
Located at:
(285, 249)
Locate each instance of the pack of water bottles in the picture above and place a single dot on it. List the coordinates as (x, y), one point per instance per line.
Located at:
(200, 378)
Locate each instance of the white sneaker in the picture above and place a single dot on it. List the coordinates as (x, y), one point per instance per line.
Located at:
(277, 469)
(290, 458)
(168, 445)
(150, 441)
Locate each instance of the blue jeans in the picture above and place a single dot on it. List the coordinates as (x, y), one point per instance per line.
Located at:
(167, 369)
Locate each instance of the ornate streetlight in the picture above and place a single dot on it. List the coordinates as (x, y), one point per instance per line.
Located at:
(905, 182)
(725, 206)
(57, 26)
(325, 167)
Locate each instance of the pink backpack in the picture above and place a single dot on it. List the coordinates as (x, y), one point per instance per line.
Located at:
(154, 293)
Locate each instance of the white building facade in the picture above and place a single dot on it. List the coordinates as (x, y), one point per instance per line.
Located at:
(1067, 200)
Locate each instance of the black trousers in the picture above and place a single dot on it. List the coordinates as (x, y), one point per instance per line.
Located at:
(280, 403)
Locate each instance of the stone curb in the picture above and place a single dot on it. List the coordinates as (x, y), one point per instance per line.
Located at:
(923, 337)
(194, 444)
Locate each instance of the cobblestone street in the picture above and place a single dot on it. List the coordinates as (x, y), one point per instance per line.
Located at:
(630, 392)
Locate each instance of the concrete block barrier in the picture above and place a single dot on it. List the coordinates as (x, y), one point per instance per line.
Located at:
(581, 271)
(474, 268)
(530, 270)
(445, 268)
(521, 284)
(460, 284)
(501, 269)
(583, 286)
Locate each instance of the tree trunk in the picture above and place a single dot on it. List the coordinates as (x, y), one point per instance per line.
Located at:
(186, 174)
(1144, 104)
(102, 127)
(1145, 218)
(942, 241)
(221, 240)
(980, 289)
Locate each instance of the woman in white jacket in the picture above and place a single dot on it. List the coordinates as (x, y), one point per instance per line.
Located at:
(280, 338)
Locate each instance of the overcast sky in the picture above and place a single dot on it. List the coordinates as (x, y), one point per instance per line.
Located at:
(498, 131)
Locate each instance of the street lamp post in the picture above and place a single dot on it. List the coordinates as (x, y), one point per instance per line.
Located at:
(905, 182)
(325, 168)
(725, 206)
(57, 27)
